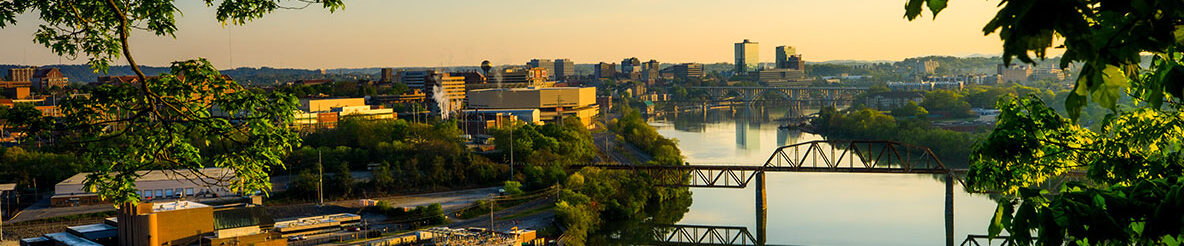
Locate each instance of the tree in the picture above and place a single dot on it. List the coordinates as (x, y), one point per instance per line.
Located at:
(513, 187)
(1134, 163)
(345, 181)
(947, 103)
(910, 110)
(187, 119)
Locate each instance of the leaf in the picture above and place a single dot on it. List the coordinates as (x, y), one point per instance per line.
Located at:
(1107, 93)
(1179, 34)
(1073, 105)
(1173, 82)
(912, 9)
(997, 221)
(935, 6)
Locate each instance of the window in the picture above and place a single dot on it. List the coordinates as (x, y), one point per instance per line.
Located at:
(168, 193)
(159, 193)
(180, 192)
(189, 191)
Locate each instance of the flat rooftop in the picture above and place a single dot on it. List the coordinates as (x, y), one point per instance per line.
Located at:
(307, 221)
(178, 205)
(160, 175)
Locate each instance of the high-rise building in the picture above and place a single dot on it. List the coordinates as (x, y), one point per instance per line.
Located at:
(387, 75)
(747, 57)
(453, 88)
(415, 79)
(650, 71)
(545, 64)
(564, 68)
(788, 58)
(630, 65)
(606, 70)
(21, 74)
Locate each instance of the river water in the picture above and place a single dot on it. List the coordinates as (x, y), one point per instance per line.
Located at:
(815, 208)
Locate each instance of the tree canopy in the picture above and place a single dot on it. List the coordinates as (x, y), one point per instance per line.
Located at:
(1132, 192)
(189, 118)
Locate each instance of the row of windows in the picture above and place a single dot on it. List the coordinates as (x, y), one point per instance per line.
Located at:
(169, 193)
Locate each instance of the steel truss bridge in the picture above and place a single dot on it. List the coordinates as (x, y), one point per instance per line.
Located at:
(798, 94)
(835, 156)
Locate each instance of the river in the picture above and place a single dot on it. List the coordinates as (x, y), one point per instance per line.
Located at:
(815, 208)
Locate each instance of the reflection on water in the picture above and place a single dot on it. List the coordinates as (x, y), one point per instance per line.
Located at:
(814, 208)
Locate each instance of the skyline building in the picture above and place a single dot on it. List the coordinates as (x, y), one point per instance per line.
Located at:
(630, 65)
(564, 68)
(747, 56)
(605, 70)
(788, 58)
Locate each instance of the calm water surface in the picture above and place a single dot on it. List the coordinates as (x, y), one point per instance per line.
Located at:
(815, 208)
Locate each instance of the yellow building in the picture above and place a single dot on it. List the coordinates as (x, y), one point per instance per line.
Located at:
(553, 103)
(324, 113)
(191, 223)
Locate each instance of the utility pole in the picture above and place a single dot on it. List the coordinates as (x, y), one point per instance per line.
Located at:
(320, 181)
(511, 150)
(491, 201)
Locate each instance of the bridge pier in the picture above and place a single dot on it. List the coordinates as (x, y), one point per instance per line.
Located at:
(949, 209)
(762, 209)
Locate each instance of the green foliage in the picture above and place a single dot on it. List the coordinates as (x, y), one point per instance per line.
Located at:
(513, 187)
(96, 28)
(188, 119)
(635, 130)
(1133, 160)
(947, 103)
(406, 155)
(246, 131)
(421, 215)
(1107, 37)
(911, 109)
(952, 147)
(36, 169)
(595, 203)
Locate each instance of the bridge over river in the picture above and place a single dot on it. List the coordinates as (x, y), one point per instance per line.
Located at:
(834, 156)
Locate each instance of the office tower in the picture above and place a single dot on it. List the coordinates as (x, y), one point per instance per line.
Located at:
(783, 54)
(747, 57)
(606, 70)
(415, 79)
(564, 68)
(630, 65)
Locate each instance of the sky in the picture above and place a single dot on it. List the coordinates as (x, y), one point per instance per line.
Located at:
(397, 33)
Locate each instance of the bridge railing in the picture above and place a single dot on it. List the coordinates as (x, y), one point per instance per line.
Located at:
(855, 156)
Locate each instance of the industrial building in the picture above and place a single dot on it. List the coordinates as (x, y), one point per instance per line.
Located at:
(152, 185)
(553, 103)
(325, 113)
(174, 223)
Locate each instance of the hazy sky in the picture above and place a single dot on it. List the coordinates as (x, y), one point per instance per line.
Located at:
(381, 33)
